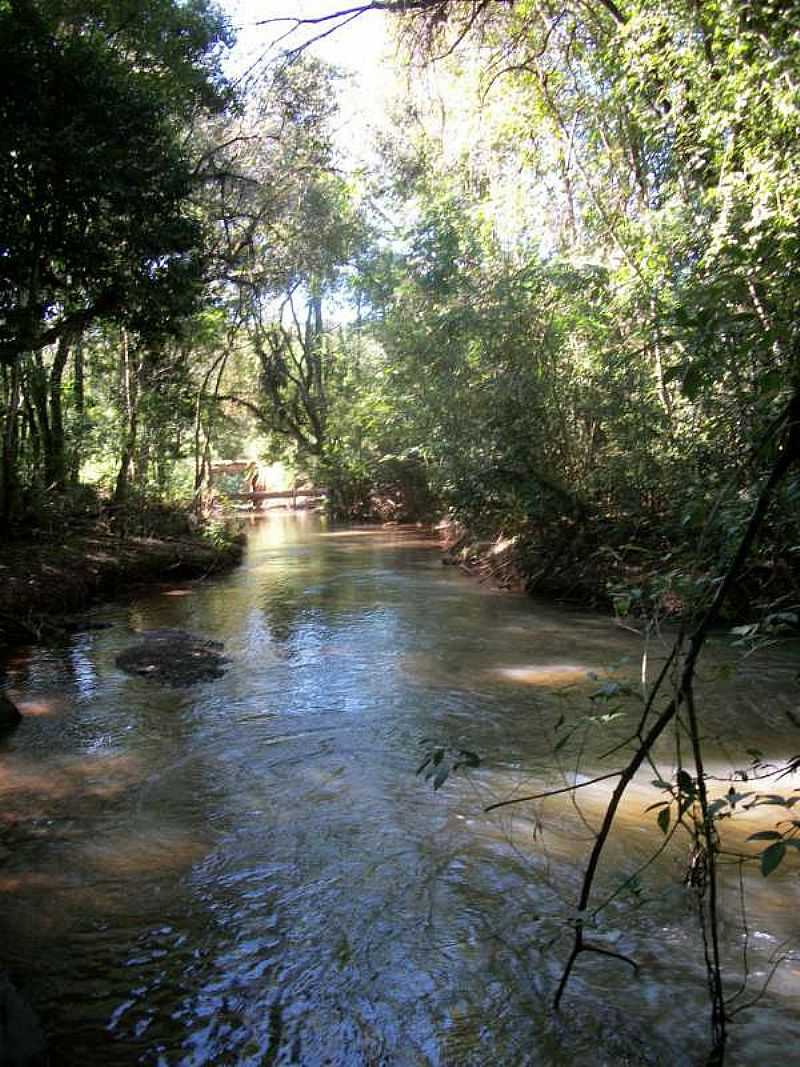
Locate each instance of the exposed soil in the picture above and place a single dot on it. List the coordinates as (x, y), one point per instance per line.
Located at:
(44, 583)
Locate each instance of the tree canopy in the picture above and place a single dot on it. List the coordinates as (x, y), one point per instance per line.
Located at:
(95, 182)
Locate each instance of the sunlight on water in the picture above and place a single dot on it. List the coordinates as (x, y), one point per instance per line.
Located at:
(546, 674)
(30, 882)
(52, 706)
(249, 872)
(349, 533)
(151, 852)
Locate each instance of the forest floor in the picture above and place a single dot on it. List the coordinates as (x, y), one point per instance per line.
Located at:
(45, 583)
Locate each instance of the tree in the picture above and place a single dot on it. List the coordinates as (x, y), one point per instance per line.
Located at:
(95, 183)
(291, 229)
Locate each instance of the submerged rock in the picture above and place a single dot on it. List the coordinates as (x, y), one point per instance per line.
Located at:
(9, 713)
(22, 1043)
(174, 658)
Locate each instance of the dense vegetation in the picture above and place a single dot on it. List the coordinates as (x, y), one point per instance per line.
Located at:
(590, 330)
(559, 306)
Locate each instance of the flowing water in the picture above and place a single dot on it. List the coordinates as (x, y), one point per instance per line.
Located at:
(248, 872)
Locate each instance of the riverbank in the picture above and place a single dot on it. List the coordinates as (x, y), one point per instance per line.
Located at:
(572, 565)
(636, 572)
(44, 583)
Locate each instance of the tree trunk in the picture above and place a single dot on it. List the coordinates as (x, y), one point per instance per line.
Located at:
(44, 393)
(8, 460)
(55, 457)
(80, 411)
(129, 391)
(202, 435)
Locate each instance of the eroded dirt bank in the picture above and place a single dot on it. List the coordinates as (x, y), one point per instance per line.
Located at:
(44, 583)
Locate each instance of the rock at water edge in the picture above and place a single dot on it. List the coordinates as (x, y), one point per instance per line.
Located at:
(9, 713)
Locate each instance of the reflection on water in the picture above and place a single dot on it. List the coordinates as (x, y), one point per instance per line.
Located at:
(247, 872)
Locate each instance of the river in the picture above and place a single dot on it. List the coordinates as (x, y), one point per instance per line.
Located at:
(248, 871)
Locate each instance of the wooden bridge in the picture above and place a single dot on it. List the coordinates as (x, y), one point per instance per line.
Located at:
(252, 480)
(302, 497)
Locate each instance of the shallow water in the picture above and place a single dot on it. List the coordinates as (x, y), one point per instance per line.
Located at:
(248, 872)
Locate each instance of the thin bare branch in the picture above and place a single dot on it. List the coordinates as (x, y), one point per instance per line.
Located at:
(553, 792)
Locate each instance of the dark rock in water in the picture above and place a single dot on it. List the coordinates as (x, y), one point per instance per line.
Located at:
(22, 1042)
(174, 658)
(82, 624)
(9, 714)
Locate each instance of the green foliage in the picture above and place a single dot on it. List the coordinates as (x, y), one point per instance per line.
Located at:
(586, 303)
(99, 227)
(94, 182)
(220, 533)
(175, 46)
(290, 226)
(441, 760)
(684, 809)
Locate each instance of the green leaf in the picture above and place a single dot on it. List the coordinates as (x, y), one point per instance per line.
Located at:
(771, 857)
(686, 783)
(663, 820)
(765, 835)
(441, 776)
